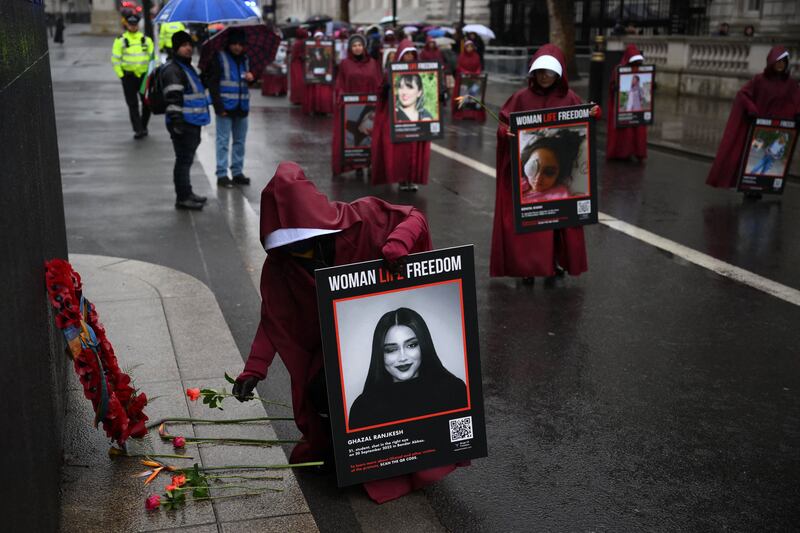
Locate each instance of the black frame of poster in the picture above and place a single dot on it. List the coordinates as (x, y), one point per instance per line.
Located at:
(421, 130)
(630, 119)
(759, 182)
(470, 104)
(422, 441)
(553, 213)
(355, 156)
(327, 77)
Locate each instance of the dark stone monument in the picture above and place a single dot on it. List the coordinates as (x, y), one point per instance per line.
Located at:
(33, 364)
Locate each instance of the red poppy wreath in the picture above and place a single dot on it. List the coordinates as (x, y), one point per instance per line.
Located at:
(115, 402)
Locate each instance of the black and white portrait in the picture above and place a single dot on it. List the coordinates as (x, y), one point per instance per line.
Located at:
(402, 354)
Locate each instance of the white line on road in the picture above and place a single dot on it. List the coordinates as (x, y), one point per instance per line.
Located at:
(722, 268)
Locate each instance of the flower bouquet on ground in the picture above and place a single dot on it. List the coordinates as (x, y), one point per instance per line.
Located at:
(117, 405)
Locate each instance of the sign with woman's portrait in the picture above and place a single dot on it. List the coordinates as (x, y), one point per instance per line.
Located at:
(402, 364)
(635, 95)
(416, 110)
(473, 85)
(552, 158)
(356, 126)
(768, 155)
(319, 62)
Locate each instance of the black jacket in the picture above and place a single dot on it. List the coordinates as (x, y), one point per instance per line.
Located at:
(212, 76)
(175, 81)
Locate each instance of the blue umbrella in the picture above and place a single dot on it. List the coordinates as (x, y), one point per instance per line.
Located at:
(206, 11)
(437, 33)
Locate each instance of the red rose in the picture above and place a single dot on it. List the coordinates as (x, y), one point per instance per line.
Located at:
(153, 502)
(193, 394)
(179, 442)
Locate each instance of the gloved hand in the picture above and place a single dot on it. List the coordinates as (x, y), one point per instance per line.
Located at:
(395, 254)
(243, 389)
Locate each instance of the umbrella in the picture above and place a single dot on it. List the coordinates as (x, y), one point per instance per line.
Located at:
(262, 45)
(438, 32)
(480, 29)
(444, 41)
(205, 11)
(410, 29)
(388, 19)
(318, 19)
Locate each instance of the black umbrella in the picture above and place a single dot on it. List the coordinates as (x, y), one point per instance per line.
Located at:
(318, 19)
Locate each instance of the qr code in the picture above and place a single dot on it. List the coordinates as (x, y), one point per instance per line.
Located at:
(584, 207)
(434, 127)
(647, 115)
(777, 183)
(460, 429)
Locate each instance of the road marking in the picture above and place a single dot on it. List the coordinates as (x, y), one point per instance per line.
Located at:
(722, 268)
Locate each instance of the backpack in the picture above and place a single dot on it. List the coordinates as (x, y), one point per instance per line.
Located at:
(154, 92)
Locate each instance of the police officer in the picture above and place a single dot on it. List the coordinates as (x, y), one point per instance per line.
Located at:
(227, 77)
(130, 57)
(187, 112)
(168, 29)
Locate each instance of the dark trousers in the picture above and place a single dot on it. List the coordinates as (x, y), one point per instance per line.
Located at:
(185, 145)
(130, 86)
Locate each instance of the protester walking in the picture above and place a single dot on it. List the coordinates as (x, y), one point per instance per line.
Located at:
(770, 94)
(469, 63)
(227, 77)
(625, 143)
(130, 57)
(358, 73)
(187, 112)
(404, 163)
(541, 253)
(319, 96)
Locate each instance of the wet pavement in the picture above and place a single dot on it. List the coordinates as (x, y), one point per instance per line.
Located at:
(647, 394)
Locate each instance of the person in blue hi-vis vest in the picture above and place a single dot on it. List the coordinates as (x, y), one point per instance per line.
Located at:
(227, 77)
(187, 112)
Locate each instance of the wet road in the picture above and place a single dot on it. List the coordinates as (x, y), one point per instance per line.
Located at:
(647, 394)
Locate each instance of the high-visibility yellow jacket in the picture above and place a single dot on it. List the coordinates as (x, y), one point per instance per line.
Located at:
(168, 29)
(131, 53)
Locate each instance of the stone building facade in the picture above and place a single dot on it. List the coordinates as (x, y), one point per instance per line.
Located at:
(769, 17)
(371, 11)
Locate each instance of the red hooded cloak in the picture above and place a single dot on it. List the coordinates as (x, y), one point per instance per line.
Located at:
(356, 75)
(531, 254)
(431, 52)
(468, 63)
(622, 143)
(318, 97)
(395, 163)
(293, 209)
(296, 68)
(770, 95)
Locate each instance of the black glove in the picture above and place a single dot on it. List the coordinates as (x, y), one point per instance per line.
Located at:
(243, 389)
